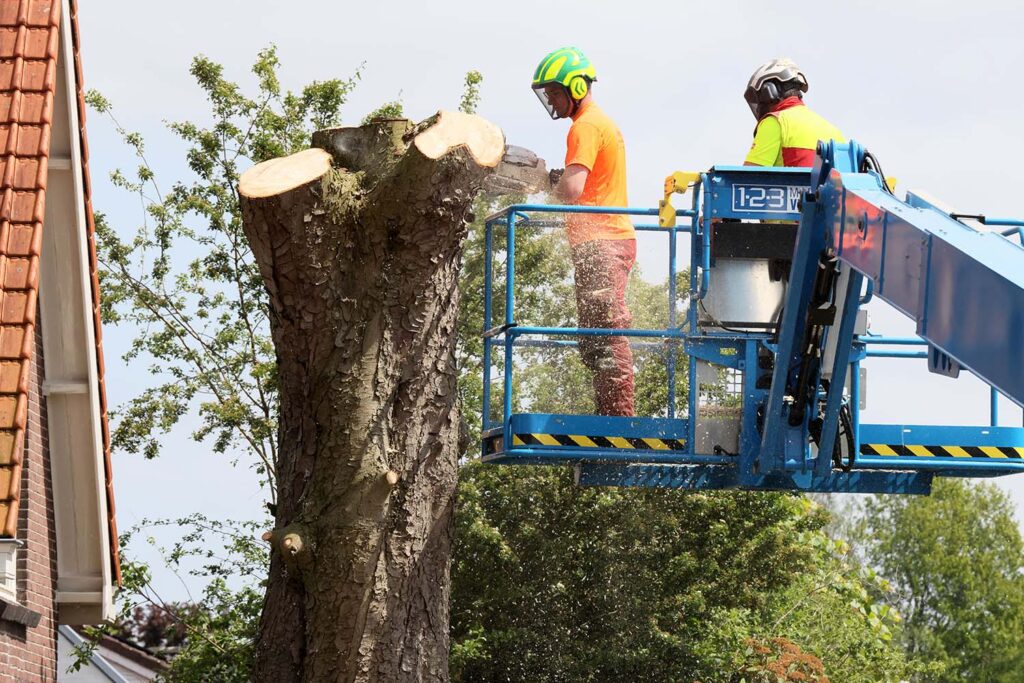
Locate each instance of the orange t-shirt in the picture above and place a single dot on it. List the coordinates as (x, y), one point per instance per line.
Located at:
(595, 142)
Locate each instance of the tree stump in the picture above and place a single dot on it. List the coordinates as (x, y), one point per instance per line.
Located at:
(360, 250)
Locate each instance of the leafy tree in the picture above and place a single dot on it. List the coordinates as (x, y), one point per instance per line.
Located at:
(215, 641)
(210, 637)
(185, 281)
(836, 611)
(552, 582)
(955, 559)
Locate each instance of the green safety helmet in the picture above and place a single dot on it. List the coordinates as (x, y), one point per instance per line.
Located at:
(569, 68)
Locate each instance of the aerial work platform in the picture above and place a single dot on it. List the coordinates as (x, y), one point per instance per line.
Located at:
(782, 261)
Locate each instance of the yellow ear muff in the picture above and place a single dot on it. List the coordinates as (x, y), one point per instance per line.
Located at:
(578, 88)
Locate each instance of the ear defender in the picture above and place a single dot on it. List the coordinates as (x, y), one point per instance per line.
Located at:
(578, 88)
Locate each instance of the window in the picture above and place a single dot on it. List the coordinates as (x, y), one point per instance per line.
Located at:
(9, 569)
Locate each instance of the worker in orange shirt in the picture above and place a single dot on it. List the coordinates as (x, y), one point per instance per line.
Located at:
(787, 131)
(603, 246)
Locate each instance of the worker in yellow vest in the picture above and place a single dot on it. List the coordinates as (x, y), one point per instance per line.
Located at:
(787, 131)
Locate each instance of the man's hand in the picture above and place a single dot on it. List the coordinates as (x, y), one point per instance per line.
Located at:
(554, 175)
(571, 182)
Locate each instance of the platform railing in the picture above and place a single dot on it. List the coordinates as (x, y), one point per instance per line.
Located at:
(873, 340)
(508, 334)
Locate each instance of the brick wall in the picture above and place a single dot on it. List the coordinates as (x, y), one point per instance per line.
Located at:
(29, 655)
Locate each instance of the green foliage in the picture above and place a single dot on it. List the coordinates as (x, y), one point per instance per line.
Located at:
(471, 93)
(781, 660)
(552, 582)
(836, 612)
(955, 559)
(389, 110)
(207, 639)
(185, 280)
(220, 628)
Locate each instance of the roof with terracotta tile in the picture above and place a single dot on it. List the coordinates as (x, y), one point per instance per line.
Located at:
(29, 42)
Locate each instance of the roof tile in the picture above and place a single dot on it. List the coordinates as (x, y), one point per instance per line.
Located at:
(15, 308)
(7, 75)
(8, 412)
(27, 107)
(25, 208)
(6, 473)
(28, 172)
(8, 453)
(87, 183)
(20, 240)
(26, 140)
(44, 13)
(15, 272)
(27, 74)
(30, 13)
(12, 341)
(10, 13)
(5, 435)
(10, 376)
(35, 43)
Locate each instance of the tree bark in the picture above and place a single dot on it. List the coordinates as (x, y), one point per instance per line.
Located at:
(361, 264)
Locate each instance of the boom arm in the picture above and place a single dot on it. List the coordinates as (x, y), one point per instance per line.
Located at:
(964, 289)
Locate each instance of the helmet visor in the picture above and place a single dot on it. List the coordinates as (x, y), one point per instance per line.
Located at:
(754, 102)
(550, 95)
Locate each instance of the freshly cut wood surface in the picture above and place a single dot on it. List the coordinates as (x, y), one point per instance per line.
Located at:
(280, 175)
(483, 139)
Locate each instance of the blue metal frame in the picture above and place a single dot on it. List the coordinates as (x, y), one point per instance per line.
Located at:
(843, 212)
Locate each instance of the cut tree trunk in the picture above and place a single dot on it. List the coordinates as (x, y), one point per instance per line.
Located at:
(360, 252)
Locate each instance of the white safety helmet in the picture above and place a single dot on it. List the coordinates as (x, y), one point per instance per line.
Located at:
(768, 83)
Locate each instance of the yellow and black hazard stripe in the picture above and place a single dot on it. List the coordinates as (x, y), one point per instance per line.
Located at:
(581, 441)
(891, 450)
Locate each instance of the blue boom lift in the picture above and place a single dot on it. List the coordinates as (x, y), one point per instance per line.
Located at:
(782, 261)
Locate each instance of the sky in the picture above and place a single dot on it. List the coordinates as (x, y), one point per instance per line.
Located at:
(933, 89)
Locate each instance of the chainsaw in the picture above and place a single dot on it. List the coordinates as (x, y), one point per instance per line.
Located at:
(520, 171)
